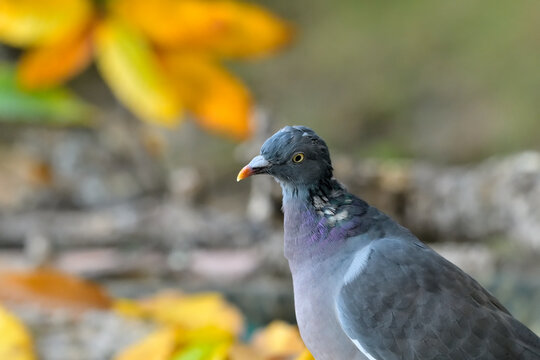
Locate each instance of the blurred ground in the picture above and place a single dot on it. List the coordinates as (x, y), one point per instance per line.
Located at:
(115, 212)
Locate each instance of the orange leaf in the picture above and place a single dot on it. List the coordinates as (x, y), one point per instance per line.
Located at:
(243, 352)
(51, 288)
(191, 312)
(41, 174)
(131, 69)
(47, 66)
(218, 100)
(225, 28)
(38, 22)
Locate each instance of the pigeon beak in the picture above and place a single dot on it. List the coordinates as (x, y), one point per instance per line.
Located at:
(256, 166)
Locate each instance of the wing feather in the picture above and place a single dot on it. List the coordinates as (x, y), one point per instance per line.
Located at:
(401, 300)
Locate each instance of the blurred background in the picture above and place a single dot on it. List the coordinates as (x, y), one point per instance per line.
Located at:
(123, 125)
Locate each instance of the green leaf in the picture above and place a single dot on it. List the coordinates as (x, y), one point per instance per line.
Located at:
(45, 107)
(193, 353)
(203, 351)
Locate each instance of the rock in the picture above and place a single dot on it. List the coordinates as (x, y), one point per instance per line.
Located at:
(497, 197)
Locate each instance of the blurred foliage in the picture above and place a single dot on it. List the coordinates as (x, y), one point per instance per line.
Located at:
(176, 309)
(278, 340)
(50, 106)
(52, 289)
(160, 58)
(189, 326)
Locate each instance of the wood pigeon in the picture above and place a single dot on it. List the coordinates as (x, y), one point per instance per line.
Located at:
(366, 287)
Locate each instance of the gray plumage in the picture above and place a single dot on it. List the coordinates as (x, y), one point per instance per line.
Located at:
(364, 286)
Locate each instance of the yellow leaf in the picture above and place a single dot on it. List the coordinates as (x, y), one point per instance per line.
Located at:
(47, 66)
(305, 355)
(190, 312)
(51, 288)
(209, 334)
(15, 343)
(157, 346)
(39, 22)
(207, 343)
(219, 101)
(131, 69)
(225, 28)
(278, 339)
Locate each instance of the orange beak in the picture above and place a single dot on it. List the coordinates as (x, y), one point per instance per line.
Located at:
(256, 166)
(244, 173)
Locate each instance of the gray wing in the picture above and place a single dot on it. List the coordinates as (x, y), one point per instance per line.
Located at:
(401, 300)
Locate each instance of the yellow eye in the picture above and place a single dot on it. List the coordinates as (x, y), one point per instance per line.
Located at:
(298, 157)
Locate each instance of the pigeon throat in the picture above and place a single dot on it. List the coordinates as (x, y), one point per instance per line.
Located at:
(316, 221)
(328, 203)
(318, 195)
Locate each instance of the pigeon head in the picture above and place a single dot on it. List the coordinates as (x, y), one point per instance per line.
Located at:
(296, 156)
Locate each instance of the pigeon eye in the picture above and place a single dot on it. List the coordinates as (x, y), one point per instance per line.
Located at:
(297, 158)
